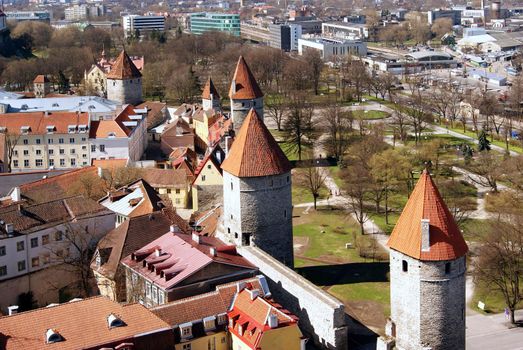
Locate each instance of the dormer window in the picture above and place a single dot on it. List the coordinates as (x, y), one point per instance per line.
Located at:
(3, 129)
(222, 319)
(82, 128)
(24, 107)
(71, 129)
(56, 105)
(25, 129)
(209, 323)
(92, 107)
(114, 321)
(111, 134)
(186, 330)
(52, 336)
(50, 128)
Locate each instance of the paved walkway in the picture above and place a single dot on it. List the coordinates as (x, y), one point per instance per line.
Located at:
(491, 332)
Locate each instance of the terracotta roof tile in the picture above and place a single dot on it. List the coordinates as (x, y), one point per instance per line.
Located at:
(209, 89)
(82, 324)
(39, 121)
(255, 152)
(41, 79)
(165, 177)
(244, 85)
(203, 305)
(425, 202)
(124, 68)
(110, 163)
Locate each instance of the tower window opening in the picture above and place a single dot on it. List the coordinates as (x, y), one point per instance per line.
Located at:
(246, 239)
(235, 234)
(405, 266)
(447, 268)
(285, 213)
(231, 186)
(228, 230)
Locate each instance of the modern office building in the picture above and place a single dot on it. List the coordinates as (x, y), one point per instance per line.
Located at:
(202, 22)
(135, 24)
(285, 36)
(345, 30)
(18, 16)
(454, 15)
(330, 48)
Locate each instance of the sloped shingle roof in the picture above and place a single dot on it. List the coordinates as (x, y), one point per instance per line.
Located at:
(255, 152)
(425, 202)
(209, 89)
(244, 85)
(124, 68)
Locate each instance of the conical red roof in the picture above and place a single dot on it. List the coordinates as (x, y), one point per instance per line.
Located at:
(124, 68)
(425, 202)
(209, 89)
(244, 85)
(255, 152)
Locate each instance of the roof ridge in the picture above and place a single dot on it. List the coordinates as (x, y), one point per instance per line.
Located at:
(58, 305)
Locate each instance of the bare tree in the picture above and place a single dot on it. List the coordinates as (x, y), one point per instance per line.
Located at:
(299, 126)
(11, 140)
(277, 109)
(500, 261)
(315, 68)
(314, 180)
(357, 186)
(489, 170)
(338, 125)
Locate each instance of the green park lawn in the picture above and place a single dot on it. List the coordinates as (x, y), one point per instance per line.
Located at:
(370, 115)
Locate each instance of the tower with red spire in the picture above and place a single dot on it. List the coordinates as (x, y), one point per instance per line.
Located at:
(244, 94)
(257, 199)
(427, 274)
(124, 81)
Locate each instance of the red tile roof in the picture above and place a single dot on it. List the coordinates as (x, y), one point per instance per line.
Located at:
(255, 152)
(116, 127)
(244, 85)
(425, 202)
(41, 79)
(110, 163)
(203, 305)
(82, 325)
(39, 121)
(124, 68)
(209, 89)
(250, 317)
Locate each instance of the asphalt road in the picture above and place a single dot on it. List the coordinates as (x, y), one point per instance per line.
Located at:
(491, 332)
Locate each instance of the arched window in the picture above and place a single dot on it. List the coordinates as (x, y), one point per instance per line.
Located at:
(404, 265)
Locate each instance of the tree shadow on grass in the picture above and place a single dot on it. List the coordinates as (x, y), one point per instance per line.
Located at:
(329, 275)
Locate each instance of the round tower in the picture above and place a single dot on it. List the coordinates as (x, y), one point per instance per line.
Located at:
(124, 81)
(427, 274)
(257, 200)
(210, 97)
(244, 94)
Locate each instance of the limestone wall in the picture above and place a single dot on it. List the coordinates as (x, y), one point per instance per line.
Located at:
(322, 317)
(125, 91)
(258, 212)
(428, 303)
(240, 108)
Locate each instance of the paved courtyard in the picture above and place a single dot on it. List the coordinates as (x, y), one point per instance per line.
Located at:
(491, 332)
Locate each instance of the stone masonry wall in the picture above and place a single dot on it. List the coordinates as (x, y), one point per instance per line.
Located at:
(240, 108)
(428, 303)
(443, 305)
(125, 91)
(322, 317)
(258, 210)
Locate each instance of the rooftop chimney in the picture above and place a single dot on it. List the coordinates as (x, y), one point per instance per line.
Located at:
(100, 172)
(9, 229)
(158, 251)
(240, 286)
(174, 228)
(253, 293)
(425, 235)
(13, 309)
(213, 251)
(272, 320)
(196, 238)
(16, 194)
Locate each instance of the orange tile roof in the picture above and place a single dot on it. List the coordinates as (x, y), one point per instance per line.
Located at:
(124, 68)
(39, 121)
(255, 152)
(244, 85)
(82, 324)
(425, 202)
(110, 163)
(209, 89)
(251, 314)
(41, 79)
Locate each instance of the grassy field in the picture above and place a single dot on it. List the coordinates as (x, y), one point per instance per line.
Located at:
(370, 115)
(498, 143)
(379, 219)
(493, 299)
(335, 173)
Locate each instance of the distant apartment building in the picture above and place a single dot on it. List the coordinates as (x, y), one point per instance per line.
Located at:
(140, 25)
(330, 48)
(209, 21)
(283, 36)
(345, 30)
(454, 15)
(19, 16)
(76, 13)
(309, 26)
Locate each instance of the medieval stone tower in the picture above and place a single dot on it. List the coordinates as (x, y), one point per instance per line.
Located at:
(257, 201)
(41, 86)
(427, 274)
(124, 81)
(244, 94)
(210, 97)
